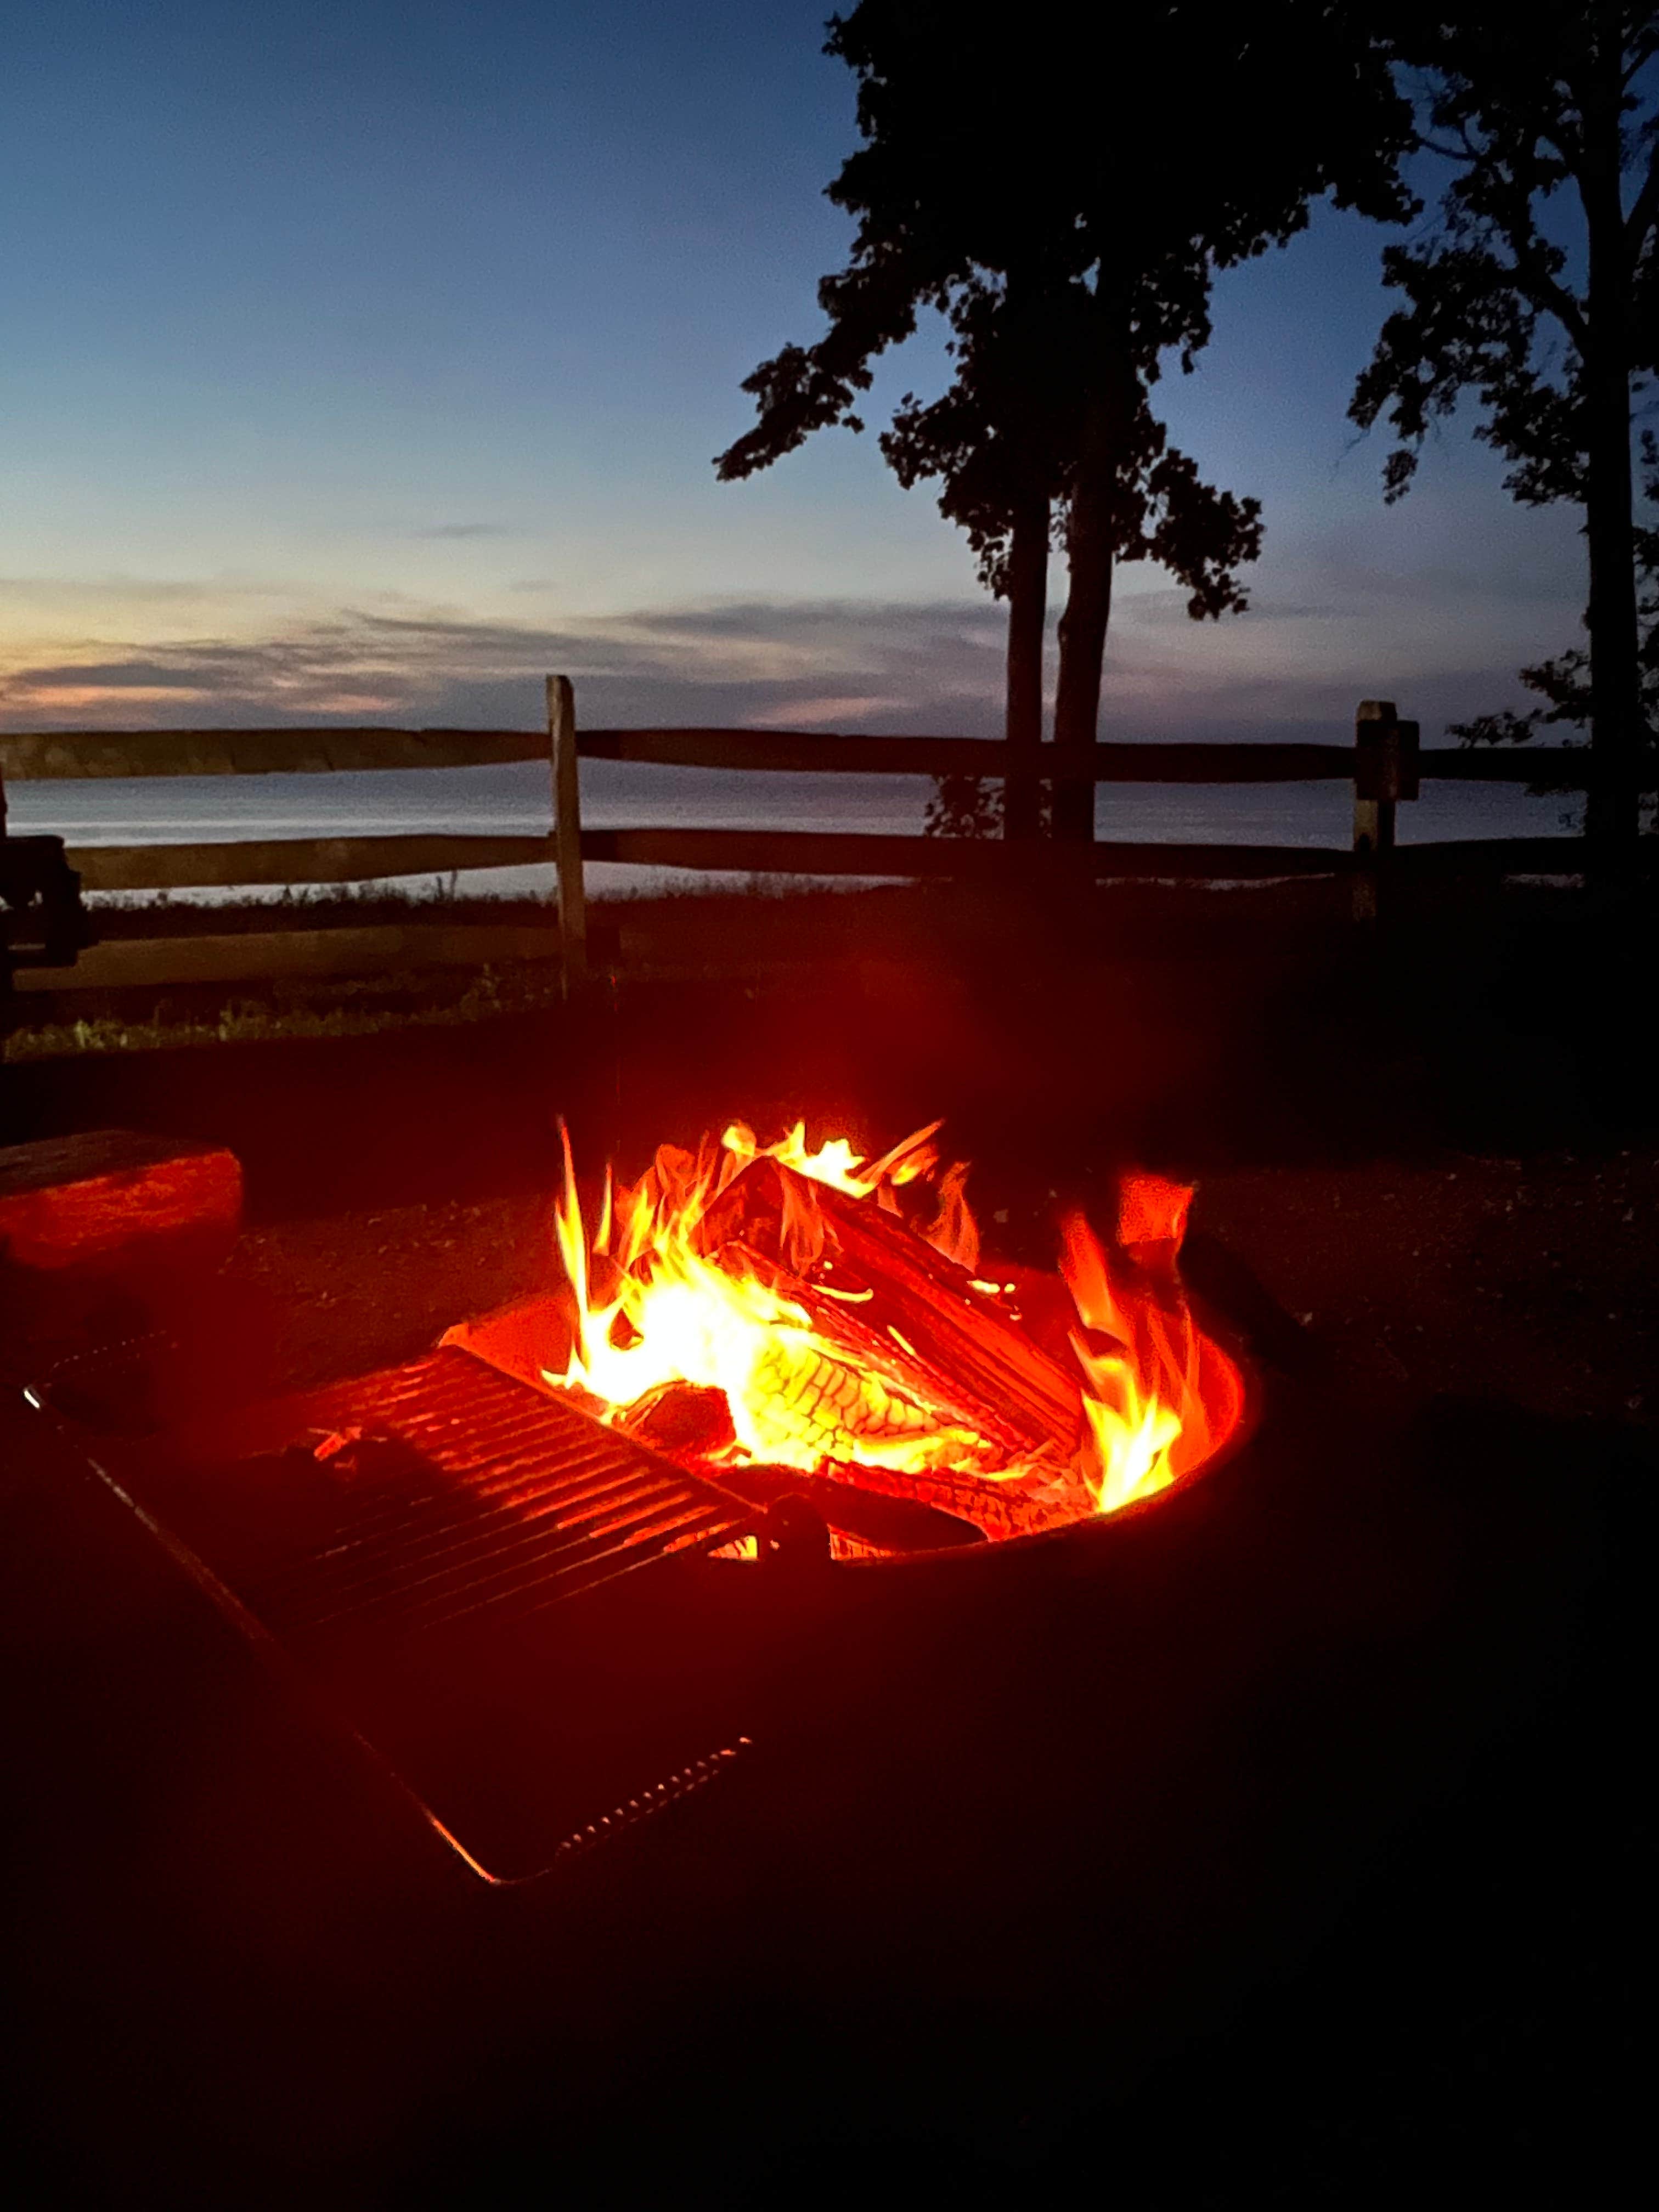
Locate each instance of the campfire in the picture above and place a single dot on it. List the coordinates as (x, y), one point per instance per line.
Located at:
(792, 1323)
(489, 1561)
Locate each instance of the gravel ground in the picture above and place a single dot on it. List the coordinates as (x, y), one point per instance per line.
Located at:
(1529, 1280)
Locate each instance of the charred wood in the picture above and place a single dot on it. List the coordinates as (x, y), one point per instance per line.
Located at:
(895, 1302)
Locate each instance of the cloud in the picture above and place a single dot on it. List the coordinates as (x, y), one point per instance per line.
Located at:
(466, 530)
(911, 669)
(801, 666)
(815, 714)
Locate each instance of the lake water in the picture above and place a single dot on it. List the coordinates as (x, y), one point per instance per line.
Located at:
(514, 799)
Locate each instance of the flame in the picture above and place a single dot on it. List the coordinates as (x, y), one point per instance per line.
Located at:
(658, 1294)
(1159, 1396)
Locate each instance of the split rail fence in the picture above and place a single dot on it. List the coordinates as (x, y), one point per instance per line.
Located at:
(1383, 765)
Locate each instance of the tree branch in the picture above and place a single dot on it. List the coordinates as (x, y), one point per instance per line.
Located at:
(1645, 211)
(1548, 292)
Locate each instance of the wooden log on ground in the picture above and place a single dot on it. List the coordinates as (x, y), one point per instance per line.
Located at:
(99, 1197)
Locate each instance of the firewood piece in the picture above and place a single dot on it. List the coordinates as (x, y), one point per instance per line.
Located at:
(973, 1352)
(963, 1333)
(1000, 1508)
(682, 1417)
(760, 1210)
(894, 1523)
(844, 1328)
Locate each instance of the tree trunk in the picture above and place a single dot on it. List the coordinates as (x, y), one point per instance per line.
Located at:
(1089, 551)
(1028, 612)
(1614, 812)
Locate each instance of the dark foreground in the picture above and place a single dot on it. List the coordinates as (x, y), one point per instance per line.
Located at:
(1287, 1854)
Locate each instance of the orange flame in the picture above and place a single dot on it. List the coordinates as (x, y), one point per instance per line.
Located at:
(1159, 1396)
(658, 1297)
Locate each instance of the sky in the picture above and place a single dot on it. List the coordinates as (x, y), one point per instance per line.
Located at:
(366, 363)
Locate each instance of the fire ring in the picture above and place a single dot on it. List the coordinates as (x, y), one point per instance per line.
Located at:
(821, 1334)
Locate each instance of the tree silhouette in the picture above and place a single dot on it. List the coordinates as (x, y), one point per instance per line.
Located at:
(1561, 115)
(1068, 223)
(996, 442)
(1565, 684)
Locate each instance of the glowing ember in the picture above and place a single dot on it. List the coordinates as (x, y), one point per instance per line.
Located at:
(816, 1311)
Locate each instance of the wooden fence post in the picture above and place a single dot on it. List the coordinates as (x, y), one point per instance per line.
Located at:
(7, 1016)
(567, 831)
(1384, 772)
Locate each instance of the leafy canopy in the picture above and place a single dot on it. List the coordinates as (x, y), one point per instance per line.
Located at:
(1495, 302)
(1067, 220)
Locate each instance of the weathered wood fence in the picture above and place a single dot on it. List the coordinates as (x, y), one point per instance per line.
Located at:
(1383, 765)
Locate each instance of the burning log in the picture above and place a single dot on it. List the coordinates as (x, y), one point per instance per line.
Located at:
(842, 1317)
(899, 1306)
(691, 1423)
(872, 1353)
(963, 1331)
(682, 1419)
(999, 1509)
(899, 1522)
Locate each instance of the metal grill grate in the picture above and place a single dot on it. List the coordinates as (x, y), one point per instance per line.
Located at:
(500, 1499)
(411, 1582)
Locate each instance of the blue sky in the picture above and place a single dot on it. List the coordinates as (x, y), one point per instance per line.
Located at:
(365, 362)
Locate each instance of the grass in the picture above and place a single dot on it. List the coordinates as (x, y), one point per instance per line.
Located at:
(964, 930)
(307, 906)
(74, 1023)
(356, 1006)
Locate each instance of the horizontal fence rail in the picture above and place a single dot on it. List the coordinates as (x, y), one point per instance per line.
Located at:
(1383, 765)
(819, 754)
(851, 852)
(296, 860)
(1562, 768)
